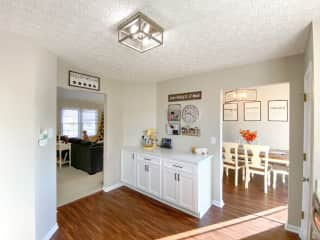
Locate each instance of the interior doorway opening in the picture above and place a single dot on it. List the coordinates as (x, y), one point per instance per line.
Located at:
(80, 144)
(255, 149)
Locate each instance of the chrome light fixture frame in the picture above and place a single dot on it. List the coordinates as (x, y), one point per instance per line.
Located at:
(240, 95)
(140, 19)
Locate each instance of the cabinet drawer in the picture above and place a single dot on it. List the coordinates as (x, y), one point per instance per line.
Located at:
(183, 167)
(149, 158)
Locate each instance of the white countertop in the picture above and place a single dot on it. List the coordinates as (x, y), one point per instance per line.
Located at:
(170, 154)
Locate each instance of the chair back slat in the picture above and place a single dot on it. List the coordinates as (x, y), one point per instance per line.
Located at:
(256, 150)
(231, 152)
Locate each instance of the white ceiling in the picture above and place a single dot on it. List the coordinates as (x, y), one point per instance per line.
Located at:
(200, 35)
(80, 95)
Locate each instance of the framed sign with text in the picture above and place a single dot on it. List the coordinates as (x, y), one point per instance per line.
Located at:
(185, 96)
(278, 110)
(252, 111)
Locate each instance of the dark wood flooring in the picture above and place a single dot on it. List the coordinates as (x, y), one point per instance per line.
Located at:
(126, 214)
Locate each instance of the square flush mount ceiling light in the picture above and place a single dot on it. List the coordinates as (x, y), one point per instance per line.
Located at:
(240, 95)
(140, 33)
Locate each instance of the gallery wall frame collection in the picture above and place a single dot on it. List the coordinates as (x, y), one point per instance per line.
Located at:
(277, 111)
(188, 114)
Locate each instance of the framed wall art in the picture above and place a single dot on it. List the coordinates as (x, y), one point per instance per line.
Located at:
(82, 80)
(190, 114)
(230, 112)
(278, 110)
(252, 111)
(174, 113)
(174, 128)
(185, 96)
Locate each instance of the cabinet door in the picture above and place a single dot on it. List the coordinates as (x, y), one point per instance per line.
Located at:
(141, 175)
(128, 168)
(154, 177)
(186, 191)
(170, 185)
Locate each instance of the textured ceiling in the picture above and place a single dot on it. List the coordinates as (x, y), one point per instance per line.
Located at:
(200, 35)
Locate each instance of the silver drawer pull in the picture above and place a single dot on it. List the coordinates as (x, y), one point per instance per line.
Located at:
(147, 159)
(177, 166)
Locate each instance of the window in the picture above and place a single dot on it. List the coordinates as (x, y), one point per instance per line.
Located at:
(70, 122)
(74, 121)
(89, 121)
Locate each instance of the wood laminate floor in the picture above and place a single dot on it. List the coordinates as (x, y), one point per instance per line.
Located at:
(126, 214)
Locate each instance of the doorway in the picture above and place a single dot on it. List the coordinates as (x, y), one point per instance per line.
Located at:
(80, 144)
(260, 125)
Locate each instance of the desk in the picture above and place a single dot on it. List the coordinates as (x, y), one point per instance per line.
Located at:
(63, 147)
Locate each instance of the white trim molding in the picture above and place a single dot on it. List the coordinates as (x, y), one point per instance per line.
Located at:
(51, 232)
(292, 228)
(218, 203)
(112, 187)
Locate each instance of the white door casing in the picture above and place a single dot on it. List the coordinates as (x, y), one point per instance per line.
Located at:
(307, 163)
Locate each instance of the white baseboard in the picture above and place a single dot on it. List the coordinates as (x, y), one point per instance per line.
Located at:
(51, 232)
(218, 204)
(112, 187)
(292, 228)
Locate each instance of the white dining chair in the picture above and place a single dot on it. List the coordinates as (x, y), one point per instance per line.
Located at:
(257, 165)
(231, 161)
(278, 169)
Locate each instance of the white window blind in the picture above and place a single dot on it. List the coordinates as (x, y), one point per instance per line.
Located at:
(89, 121)
(70, 122)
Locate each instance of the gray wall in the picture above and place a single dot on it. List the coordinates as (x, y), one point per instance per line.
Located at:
(211, 84)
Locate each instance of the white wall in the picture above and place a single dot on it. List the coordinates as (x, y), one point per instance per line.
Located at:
(139, 111)
(211, 84)
(45, 102)
(28, 178)
(264, 127)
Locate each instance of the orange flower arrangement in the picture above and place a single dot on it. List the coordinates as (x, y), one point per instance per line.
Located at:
(248, 136)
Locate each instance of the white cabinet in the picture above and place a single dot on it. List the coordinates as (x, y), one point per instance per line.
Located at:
(154, 179)
(178, 187)
(184, 183)
(170, 185)
(141, 175)
(186, 191)
(128, 167)
(149, 175)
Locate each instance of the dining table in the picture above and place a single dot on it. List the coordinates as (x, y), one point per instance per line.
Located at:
(276, 156)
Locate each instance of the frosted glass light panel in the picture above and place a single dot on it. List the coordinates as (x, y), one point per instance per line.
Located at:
(140, 33)
(240, 95)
